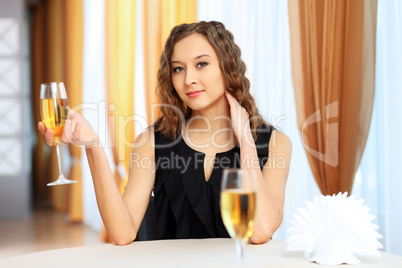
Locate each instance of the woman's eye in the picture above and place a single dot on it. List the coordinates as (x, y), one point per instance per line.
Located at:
(178, 69)
(202, 64)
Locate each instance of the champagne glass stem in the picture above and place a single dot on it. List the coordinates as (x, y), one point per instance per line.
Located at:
(59, 159)
(240, 249)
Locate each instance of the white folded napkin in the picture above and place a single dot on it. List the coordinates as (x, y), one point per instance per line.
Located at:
(332, 229)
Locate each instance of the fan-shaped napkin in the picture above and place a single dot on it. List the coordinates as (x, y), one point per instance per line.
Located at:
(332, 229)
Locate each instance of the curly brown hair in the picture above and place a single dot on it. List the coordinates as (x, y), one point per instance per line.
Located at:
(230, 62)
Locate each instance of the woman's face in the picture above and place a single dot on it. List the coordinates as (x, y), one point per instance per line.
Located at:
(196, 74)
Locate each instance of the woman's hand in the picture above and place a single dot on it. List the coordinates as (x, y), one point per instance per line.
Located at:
(240, 119)
(77, 131)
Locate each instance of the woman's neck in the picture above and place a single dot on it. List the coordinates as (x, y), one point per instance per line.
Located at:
(214, 118)
(212, 127)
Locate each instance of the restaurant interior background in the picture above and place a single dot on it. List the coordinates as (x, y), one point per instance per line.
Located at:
(107, 54)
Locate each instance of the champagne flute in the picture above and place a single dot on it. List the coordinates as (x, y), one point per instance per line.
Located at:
(238, 205)
(54, 112)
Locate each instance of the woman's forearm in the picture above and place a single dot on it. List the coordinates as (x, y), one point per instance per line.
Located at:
(268, 214)
(115, 215)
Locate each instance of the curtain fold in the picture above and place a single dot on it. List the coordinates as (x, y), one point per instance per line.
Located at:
(333, 59)
(38, 76)
(119, 75)
(73, 71)
(54, 66)
(174, 12)
(152, 51)
(57, 45)
(159, 18)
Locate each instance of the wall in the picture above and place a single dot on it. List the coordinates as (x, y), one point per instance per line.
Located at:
(15, 111)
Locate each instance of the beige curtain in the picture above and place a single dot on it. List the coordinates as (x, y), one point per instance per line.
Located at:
(38, 76)
(54, 60)
(119, 70)
(57, 44)
(160, 16)
(73, 68)
(152, 52)
(333, 70)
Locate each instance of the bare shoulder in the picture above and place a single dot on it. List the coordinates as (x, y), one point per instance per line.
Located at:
(280, 142)
(144, 143)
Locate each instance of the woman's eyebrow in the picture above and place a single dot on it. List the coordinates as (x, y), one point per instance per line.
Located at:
(200, 56)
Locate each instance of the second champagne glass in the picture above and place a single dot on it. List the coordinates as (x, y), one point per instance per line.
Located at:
(54, 112)
(238, 205)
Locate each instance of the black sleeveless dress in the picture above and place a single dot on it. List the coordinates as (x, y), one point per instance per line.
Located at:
(185, 205)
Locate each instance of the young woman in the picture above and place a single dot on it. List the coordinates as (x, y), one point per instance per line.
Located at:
(209, 122)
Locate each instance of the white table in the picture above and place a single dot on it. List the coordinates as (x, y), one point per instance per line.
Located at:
(179, 253)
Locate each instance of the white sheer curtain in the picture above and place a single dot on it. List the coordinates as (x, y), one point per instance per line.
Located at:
(379, 179)
(94, 105)
(261, 30)
(94, 100)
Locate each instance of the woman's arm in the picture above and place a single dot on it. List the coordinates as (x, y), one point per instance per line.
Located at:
(121, 216)
(115, 215)
(271, 181)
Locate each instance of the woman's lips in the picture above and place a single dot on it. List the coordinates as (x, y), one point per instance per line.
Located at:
(193, 94)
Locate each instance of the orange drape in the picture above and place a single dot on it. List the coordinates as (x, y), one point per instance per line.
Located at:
(152, 51)
(54, 60)
(160, 16)
(333, 59)
(38, 76)
(119, 70)
(57, 44)
(74, 44)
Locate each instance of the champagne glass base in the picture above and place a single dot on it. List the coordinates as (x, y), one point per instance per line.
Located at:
(60, 181)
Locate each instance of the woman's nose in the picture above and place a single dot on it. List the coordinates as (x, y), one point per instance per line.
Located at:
(191, 77)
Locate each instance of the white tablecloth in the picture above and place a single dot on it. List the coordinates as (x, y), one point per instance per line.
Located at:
(179, 253)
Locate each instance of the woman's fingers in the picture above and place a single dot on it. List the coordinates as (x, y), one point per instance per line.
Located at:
(228, 96)
(234, 104)
(48, 133)
(72, 133)
(232, 100)
(49, 137)
(77, 131)
(239, 116)
(42, 128)
(67, 133)
(71, 114)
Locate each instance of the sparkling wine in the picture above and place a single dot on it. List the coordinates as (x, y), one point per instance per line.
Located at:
(54, 114)
(238, 211)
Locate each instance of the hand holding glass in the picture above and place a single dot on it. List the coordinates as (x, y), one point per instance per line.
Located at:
(54, 112)
(238, 205)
